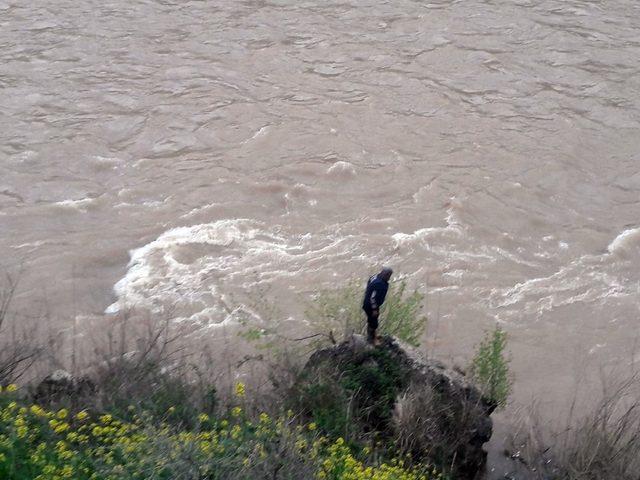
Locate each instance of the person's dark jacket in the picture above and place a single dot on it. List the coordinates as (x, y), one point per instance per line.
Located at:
(375, 293)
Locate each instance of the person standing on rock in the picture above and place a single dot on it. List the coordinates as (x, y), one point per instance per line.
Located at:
(374, 296)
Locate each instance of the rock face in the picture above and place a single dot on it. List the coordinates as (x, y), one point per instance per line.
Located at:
(427, 410)
(61, 384)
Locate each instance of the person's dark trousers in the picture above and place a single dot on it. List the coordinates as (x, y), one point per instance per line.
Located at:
(372, 325)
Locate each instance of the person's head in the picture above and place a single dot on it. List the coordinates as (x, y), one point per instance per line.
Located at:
(386, 273)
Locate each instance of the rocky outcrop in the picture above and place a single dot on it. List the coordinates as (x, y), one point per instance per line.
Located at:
(429, 411)
(62, 385)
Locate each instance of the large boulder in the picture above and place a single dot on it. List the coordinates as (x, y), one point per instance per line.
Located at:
(61, 385)
(392, 392)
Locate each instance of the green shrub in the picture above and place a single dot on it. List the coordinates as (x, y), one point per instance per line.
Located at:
(401, 314)
(339, 311)
(490, 367)
(326, 402)
(354, 399)
(373, 383)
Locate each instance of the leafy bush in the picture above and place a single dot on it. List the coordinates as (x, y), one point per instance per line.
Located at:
(401, 316)
(373, 382)
(340, 311)
(326, 402)
(353, 399)
(490, 367)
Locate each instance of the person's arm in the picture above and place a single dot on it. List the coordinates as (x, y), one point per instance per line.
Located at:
(382, 294)
(373, 302)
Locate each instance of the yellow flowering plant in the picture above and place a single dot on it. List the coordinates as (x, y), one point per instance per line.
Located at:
(38, 444)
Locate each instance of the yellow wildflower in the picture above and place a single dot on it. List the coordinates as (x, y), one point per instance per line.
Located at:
(37, 411)
(235, 432)
(67, 471)
(240, 390)
(61, 427)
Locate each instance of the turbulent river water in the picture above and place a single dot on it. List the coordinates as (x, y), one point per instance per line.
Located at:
(188, 156)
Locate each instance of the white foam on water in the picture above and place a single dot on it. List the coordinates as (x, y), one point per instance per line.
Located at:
(342, 169)
(157, 203)
(455, 274)
(100, 163)
(25, 156)
(496, 253)
(260, 133)
(209, 316)
(124, 205)
(187, 271)
(197, 210)
(423, 235)
(626, 244)
(36, 244)
(586, 279)
(156, 274)
(80, 205)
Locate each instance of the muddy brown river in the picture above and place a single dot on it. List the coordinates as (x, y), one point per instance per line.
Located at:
(185, 157)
